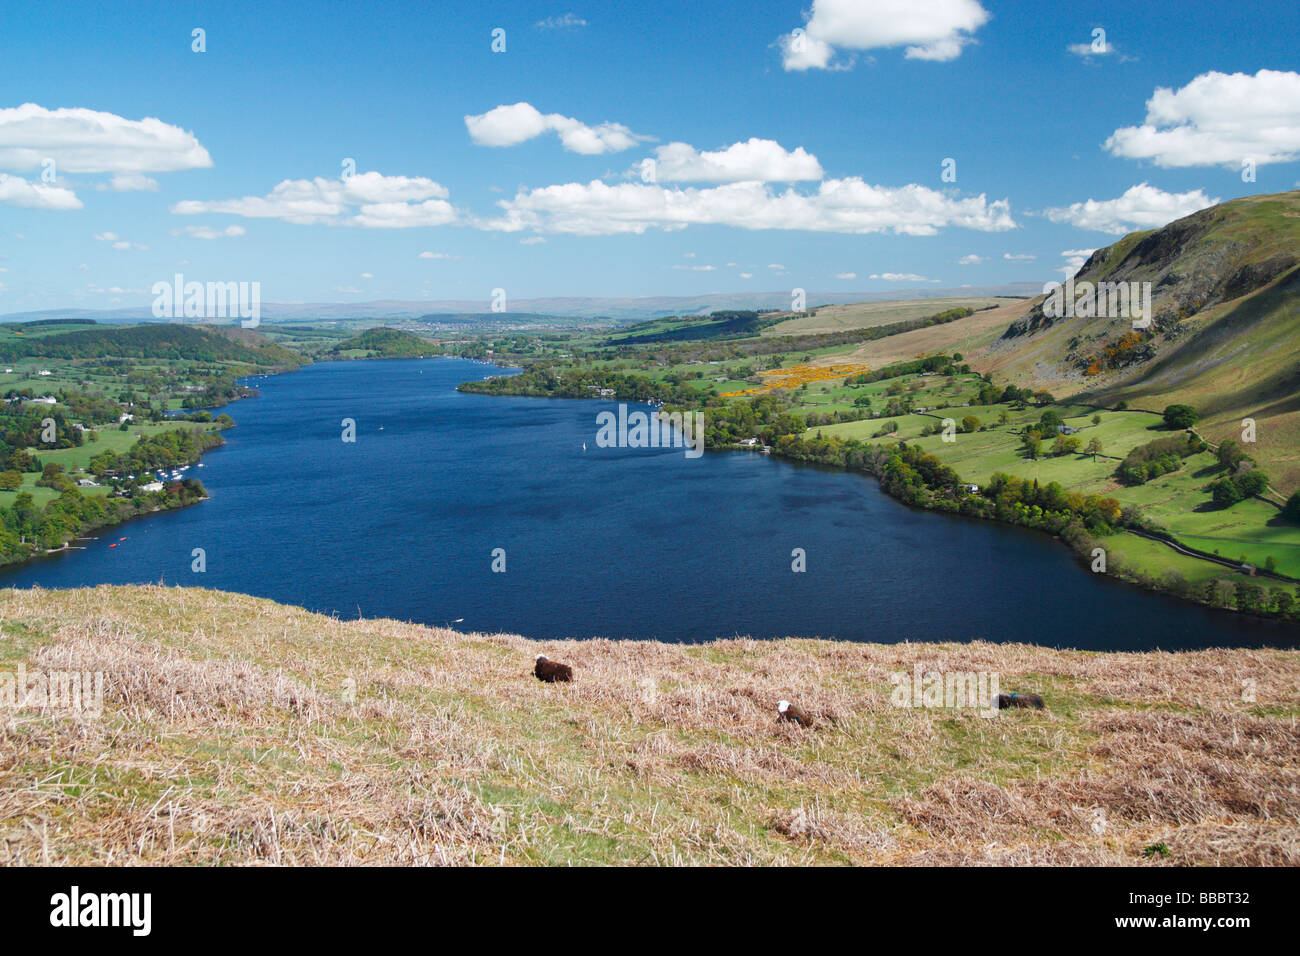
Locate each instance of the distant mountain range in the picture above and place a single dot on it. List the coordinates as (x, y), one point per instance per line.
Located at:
(627, 309)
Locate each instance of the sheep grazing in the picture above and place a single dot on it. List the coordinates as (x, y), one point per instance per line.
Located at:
(1020, 700)
(788, 711)
(549, 672)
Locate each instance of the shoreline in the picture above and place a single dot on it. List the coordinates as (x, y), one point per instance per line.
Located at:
(1128, 578)
(1116, 575)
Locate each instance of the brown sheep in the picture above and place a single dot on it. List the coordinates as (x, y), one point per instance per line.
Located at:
(550, 672)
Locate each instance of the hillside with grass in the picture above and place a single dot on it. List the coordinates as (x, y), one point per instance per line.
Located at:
(1225, 336)
(384, 342)
(162, 340)
(235, 730)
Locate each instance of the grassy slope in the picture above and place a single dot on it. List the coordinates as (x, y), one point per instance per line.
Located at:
(1233, 360)
(864, 315)
(1250, 529)
(964, 335)
(227, 737)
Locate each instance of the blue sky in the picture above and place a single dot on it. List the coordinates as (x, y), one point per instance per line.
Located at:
(841, 190)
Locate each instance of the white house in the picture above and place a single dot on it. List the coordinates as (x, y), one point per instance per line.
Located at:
(153, 486)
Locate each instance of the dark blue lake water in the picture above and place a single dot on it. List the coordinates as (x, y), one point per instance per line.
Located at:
(607, 542)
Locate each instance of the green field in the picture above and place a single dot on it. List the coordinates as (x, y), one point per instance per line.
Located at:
(1249, 532)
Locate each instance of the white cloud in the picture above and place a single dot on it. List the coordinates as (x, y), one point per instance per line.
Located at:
(366, 275)
(1141, 207)
(370, 200)
(1074, 260)
(560, 23)
(209, 232)
(129, 183)
(1218, 119)
(696, 268)
(930, 29)
(762, 160)
(776, 267)
(1018, 256)
(747, 275)
(970, 260)
(1094, 48)
(16, 191)
(901, 277)
(89, 141)
(117, 242)
(520, 122)
(846, 275)
(437, 255)
(838, 205)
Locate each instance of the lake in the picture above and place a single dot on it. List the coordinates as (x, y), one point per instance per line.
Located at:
(628, 543)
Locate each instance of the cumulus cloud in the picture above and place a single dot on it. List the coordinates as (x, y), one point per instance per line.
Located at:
(1018, 256)
(1141, 207)
(90, 141)
(846, 275)
(1074, 260)
(436, 255)
(16, 191)
(970, 260)
(209, 232)
(520, 122)
(370, 200)
(1218, 119)
(929, 29)
(838, 205)
(761, 160)
(684, 268)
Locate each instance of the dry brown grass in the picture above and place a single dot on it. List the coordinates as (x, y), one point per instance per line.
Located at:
(239, 731)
